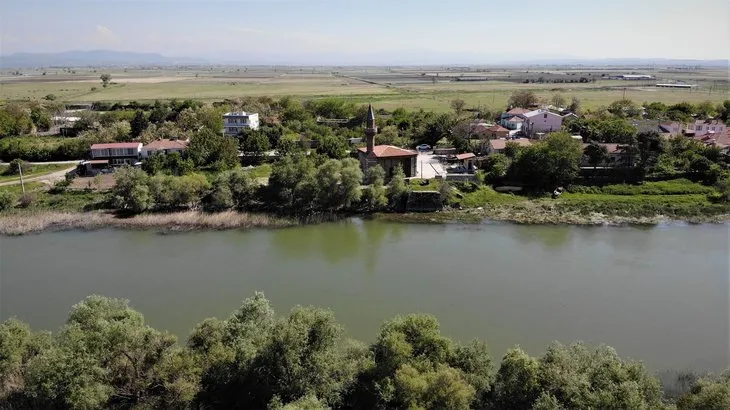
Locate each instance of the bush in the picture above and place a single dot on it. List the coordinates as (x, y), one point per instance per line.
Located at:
(7, 199)
(16, 165)
(27, 199)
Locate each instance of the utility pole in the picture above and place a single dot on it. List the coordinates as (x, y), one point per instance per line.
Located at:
(22, 185)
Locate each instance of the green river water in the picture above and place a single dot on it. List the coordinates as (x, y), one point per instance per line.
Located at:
(658, 294)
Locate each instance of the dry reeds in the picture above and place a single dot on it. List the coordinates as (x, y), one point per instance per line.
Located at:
(29, 222)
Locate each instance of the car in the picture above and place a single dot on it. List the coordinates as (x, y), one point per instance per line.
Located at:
(424, 147)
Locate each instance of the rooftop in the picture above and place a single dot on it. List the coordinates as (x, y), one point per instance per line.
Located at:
(501, 143)
(518, 111)
(515, 119)
(166, 144)
(465, 155)
(497, 128)
(239, 114)
(387, 151)
(117, 145)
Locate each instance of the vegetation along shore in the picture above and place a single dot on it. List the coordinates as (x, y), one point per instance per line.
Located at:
(105, 356)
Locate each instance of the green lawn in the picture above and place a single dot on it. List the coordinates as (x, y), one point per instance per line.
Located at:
(433, 184)
(36, 170)
(261, 171)
(485, 196)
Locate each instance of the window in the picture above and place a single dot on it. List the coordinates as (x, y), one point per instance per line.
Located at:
(544, 116)
(698, 128)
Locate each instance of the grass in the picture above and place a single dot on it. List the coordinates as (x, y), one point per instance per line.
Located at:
(433, 184)
(671, 187)
(36, 170)
(261, 171)
(675, 206)
(486, 196)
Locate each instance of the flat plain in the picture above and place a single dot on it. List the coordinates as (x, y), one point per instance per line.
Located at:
(430, 88)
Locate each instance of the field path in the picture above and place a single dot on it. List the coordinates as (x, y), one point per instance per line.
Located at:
(51, 177)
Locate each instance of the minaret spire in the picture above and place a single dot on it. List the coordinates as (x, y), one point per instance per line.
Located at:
(370, 129)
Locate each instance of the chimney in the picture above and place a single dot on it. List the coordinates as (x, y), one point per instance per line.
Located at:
(370, 130)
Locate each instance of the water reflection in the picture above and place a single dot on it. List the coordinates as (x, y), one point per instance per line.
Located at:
(336, 243)
(549, 237)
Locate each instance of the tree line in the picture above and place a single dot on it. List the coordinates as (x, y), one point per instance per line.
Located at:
(105, 356)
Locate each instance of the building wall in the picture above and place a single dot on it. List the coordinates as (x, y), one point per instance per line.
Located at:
(407, 163)
(147, 154)
(233, 124)
(543, 122)
(705, 128)
(115, 153)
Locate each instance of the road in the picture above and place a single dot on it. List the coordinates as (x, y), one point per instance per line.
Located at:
(428, 167)
(75, 162)
(48, 178)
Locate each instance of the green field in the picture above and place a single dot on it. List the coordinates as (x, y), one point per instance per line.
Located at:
(412, 88)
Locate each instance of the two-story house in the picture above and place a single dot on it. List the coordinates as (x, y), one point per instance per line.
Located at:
(237, 121)
(541, 122)
(702, 127)
(164, 146)
(117, 153)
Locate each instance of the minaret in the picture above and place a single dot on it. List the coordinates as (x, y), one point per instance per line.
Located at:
(370, 130)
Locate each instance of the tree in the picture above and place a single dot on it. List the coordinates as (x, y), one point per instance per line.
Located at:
(574, 105)
(517, 383)
(597, 154)
(558, 101)
(398, 189)
(523, 99)
(41, 118)
(139, 123)
(254, 142)
(512, 149)
(130, 191)
(105, 79)
(650, 146)
(458, 106)
(550, 163)
(332, 146)
(437, 127)
(624, 109)
(496, 166)
(210, 150)
(707, 393)
(374, 196)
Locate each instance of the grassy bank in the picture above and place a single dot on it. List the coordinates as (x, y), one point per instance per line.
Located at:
(19, 223)
(36, 170)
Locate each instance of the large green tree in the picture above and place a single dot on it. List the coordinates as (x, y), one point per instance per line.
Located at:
(550, 163)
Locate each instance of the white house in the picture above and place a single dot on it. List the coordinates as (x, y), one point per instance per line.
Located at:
(237, 121)
(700, 127)
(541, 121)
(117, 153)
(164, 146)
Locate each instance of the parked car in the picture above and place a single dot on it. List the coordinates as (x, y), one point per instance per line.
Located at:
(424, 147)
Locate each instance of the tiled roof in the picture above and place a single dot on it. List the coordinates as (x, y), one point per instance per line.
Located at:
(497, 128)
(117, 145)
(515, 119)
(386, 151)
(502, 143)
(166, 144)
(465, 155)
(518, 111)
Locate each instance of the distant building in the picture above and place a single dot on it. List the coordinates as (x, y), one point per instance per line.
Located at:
(497, 146)
(664, 128)
(495, 131)
(387, 156)
(675, 85)
(619, 156)
(117, 153)
(541, 121)
(513, 123)
(634, 77)
(235, 122)
(505, 117)
(164, 146)
(700, 127)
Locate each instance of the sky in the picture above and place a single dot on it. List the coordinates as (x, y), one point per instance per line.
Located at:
(350, 31)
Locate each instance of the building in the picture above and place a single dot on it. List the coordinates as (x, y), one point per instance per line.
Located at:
(513, 123)
(619, 156)
(666, 129)
(541, 121)
(387, 156)
(495, 131)
(117, 153)
(467, 160)
(700, 127)
(509, 115)
(164, 146)
(497, 146)
(237, 121)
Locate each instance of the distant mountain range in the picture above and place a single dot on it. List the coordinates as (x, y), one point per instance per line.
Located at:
(390, 58)
(90, 58)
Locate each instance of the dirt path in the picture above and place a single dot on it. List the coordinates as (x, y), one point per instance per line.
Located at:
(45, 178)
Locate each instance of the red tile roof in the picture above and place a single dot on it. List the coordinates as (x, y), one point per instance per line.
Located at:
(386, 151)
(465, 155)
(502, 143)
(166, 144)
(518, 111)
(515, 119)
(117, 145)
(497, 128)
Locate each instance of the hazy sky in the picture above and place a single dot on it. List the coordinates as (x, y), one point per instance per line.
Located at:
(233, 28)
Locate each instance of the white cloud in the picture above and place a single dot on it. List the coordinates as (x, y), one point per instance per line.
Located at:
(105, 36)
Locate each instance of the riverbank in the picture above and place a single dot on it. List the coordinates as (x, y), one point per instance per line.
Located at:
(20, 223)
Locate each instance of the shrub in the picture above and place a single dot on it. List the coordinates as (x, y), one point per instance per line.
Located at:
(7, 199)
(27, 199)
(16, 165)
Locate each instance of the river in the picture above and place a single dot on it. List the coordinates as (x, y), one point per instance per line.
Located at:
(658, 294)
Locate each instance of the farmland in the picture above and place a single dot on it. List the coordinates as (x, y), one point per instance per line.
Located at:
(430, 88)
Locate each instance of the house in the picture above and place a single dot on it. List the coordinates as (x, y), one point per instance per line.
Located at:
(164, 146)
(237, 121)
(495, 131)
(467, 160)
(387, 156)
(718, 140)
(513, 123)
(514, 112)
(619, 156)
(117, 153)
(541, 121)
(700, 127)
(497, 146)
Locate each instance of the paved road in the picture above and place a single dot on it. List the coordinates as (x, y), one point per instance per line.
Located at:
(45, 178)
(429, 166)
